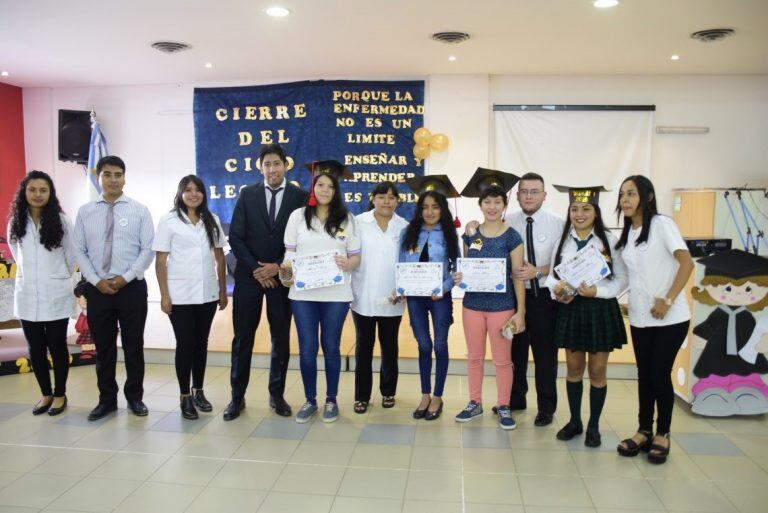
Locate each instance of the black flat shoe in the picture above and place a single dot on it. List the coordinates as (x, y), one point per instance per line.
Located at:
(419, 414)
(632, 448)
(41, 408)
(233, 409)
(657, 454)
(102, 410)
(433, 415)
(543, 419)
(138, 408)
(592, 438)
(201, 403)
(280, 406)
(187, 406)
(569, 431)
(56, 411)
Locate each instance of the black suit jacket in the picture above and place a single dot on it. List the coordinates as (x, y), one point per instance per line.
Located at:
(250, 237)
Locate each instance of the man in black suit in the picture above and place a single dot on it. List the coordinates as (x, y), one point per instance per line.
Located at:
(256, 238)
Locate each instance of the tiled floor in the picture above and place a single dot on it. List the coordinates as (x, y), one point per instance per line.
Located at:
(383, 461)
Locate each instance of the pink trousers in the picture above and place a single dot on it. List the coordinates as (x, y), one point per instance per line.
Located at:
(478, 326)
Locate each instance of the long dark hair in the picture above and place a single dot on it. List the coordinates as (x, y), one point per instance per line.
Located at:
(647, 205)
(211, 229)
(598, 228)
(383, 188)
(411, 238)
(337, 212)
(51, 229)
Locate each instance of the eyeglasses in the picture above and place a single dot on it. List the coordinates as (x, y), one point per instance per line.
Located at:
(529, 192)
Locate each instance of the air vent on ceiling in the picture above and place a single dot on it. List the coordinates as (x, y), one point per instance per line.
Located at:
(709, 35)
(170, 46)
(450, 37)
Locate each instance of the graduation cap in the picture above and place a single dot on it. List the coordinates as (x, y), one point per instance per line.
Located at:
(326, 167)
(735, 263)
(582, 194)
(484, 179)
(437, 183)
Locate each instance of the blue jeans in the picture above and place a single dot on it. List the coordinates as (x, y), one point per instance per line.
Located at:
(442, 318)
(328, 317)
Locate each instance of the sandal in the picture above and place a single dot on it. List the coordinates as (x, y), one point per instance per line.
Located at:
(361, 406)
(658, 453)
(388, 401)
(632, 448)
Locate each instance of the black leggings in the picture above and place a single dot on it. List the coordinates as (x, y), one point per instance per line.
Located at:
(366, 330)
(43, 337)
(655, 351)
(192, 325)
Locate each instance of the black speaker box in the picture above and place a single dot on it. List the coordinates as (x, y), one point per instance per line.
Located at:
(74, 135)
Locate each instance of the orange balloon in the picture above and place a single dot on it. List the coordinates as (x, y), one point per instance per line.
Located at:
(421, 151)
(439, 142)
(422, 136)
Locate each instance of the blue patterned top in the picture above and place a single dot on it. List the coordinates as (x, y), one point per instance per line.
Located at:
(493, 247)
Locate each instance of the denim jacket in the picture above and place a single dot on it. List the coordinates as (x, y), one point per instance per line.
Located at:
(437, 253)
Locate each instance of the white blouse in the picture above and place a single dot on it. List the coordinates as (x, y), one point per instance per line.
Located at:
(192, 278)
(299, 240)
(374, 279)
(652, 268)
(43, 288)
(609, 287)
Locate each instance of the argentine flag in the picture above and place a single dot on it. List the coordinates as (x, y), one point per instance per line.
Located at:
(97, 150)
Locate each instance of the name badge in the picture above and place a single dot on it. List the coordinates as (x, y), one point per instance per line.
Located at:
(415, 250)
(477, 244)
(123, 222)
(541, 237)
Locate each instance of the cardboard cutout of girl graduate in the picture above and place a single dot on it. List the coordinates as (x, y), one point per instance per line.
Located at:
(732, 370)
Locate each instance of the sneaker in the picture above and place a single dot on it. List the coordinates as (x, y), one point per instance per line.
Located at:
(505, 418)
(472, 410)
(330, 412)
(306, 412)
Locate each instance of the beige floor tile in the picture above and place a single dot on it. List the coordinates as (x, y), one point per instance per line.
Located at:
(376, 483)
(731, 468)
(277, 502)
(21, 509)
(74, 462)
(58, 436)
(266, 449)
(545, 463)
(368, 505)
(35, 490)
(610, 492)
(96, 494)
(240, 427)
(323, 453)
(415, 506)
(436, 458)
(159, 442)
(107, 438)
(473, 507)
(747, 497)
(423, 484)
(428, 434)
(537, 440)
(607, 464)
(24, 459)
(7, 477)
(159, 498)
(679, 466)
(540, 491)
(212, 446)
(381, 456)
(691, 496)
(491, 489)
(214, 499)
(339, 431)
(553, 509)
(130, 466)
(189, 470)
(312, 479)
(247, 475)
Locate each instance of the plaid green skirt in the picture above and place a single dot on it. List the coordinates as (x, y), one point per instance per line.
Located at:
(590, 324)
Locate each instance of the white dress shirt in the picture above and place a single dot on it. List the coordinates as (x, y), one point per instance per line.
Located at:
(192, 278)
(652, 268)
(547, 229)
(278, 196)
(43, 287)
(374, 279)
(609, 287)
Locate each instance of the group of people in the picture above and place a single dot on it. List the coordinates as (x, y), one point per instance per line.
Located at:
(113, 242)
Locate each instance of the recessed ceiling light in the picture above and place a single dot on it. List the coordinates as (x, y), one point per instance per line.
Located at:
(604, 4)
(675, 57)
(277, 11)
(4, 74)
(451, 58)
(208, 65)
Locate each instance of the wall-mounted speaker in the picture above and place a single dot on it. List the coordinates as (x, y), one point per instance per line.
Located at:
(74, 135)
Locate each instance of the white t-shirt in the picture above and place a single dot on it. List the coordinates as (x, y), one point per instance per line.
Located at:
(192, 278)
(374, 279)
(301, 241)
(652, 268)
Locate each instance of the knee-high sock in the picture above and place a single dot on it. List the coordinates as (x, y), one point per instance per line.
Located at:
(575, 390)
(596, 402)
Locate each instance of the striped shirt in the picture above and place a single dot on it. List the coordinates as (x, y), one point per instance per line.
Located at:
(131, 241)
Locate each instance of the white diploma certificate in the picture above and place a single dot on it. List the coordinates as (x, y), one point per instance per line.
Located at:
(587, 266)
(483, 274)
(316, 270)
(419, 279)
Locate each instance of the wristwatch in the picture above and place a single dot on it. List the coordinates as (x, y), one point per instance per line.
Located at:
(668, 301)
(538, 274)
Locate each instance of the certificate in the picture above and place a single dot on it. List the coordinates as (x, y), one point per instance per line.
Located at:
(317, 270)
(419, 279)
(587, 266)
(483, 274)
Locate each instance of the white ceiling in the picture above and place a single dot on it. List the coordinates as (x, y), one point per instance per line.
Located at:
(105, 42)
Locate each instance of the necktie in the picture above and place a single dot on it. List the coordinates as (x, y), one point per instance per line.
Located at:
(106, 262)
(273, 205)
(730, 333)
(531, 254)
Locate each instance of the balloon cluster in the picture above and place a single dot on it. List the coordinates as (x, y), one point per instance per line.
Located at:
(426, 142)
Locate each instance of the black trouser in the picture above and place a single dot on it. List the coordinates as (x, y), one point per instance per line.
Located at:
(43, 337)
(192, 325)
(246, 315)
(655, 351)
(539, 335)
(128, 307)
(365, 328)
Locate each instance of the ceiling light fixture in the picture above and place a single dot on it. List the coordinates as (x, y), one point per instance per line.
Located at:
(675, 57)
(208, 65)
(451, 58)
(4, 74)
(277, 11)
(604, 4)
